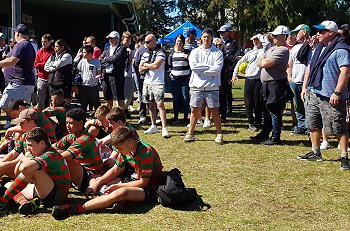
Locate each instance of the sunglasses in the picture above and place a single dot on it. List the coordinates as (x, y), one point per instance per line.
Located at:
(147, 42)
(323, 31)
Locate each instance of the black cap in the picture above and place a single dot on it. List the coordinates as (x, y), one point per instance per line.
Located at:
(22, 29)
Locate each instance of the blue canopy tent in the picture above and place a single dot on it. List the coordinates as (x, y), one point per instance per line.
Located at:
(170, 38)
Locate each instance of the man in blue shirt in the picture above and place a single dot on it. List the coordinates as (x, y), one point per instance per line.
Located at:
(324, 91)
(18, 69)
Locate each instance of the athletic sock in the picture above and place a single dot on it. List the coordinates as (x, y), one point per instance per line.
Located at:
(16, 187)
(316, 150)
(344, 154)
(20, 199)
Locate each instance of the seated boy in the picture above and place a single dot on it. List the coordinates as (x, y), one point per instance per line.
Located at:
(80, 150)
(100, 114)
(139, 186)
(43, 173)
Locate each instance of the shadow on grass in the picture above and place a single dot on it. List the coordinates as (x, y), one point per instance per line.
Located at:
(305, 143)
(196, 206)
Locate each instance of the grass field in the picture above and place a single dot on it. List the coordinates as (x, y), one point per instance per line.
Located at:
(244, 186)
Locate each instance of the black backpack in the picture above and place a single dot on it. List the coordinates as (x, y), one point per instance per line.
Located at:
(174, 192)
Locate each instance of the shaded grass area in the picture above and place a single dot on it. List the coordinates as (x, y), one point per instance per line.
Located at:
(244, 186)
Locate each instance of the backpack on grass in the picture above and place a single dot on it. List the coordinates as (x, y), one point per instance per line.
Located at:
(174, 192)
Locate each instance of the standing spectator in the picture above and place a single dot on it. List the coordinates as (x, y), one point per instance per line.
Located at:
(113, 63)
(18, 69)
(205, 62)
(190, 42)
(90, 71)
(79, 54)
(4, 50)
(325, 92)
(92, 42)
(59, 65)
(275, 89)
(140, 76)
(229, 51)
(153, 65)
(300, 54)
(180, 77)
(42, 82)
(252, 85)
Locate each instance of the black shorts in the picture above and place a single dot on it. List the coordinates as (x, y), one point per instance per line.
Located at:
(49, 200)
(86, 179)
(113, 87)
(150, 194)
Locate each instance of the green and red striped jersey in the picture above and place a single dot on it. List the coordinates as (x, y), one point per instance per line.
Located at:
(56, 167)
(21, 143)
(84, 149)
(145, 161)
(59, 112)
(44, 122)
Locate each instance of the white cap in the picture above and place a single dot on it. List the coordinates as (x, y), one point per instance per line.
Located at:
(113, 34)
(280, 30)
(257, 36)
(327, 25)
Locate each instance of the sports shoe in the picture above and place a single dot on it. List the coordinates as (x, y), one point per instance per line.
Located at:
(299, 131)
(7, 125)
(260, 136)
(189, 138)
(151, 130)
(271, 141)
(142, 120)
(207, 123)
(219, 139)
(3, 209)
(158, 120)
(29, 207)
(347, 150)
(119, 206)
(344, 163)
(61, 212)
(325, 145)
(311, 156)
(165, 133)
(252, 128)
(198, 124)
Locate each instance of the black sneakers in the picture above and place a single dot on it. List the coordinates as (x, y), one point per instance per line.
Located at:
(29, 207)
(260, 137)
(344, 163)
(271, 141)
(61, 212)
(311, 156)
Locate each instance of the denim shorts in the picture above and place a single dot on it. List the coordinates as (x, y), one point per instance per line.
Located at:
(153, 93)
(198, 97)
(15, 92)
(320, 114)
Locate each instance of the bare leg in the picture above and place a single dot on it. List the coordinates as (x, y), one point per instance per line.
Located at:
(152, 112)
(43, 183)
(162, 113)
(216, 119)
(193, 119)
(315, 135)
(343, 142)
(76, 172)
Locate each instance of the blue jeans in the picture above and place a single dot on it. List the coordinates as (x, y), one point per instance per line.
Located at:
(181, 96)
(276, 125)
(298, 104)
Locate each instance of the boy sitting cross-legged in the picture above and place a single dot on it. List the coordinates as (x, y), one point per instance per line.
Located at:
(43, 173)
(136, 186)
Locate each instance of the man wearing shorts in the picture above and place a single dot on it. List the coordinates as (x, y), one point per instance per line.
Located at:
(18, 69)
(138, 185)
(205, 62)
(153, 66)
(46, 169)
(324, 91)
(113, 61)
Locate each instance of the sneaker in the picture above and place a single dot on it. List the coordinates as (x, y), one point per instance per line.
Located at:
(219, 139)
(271, 141)
(7, 125)
(325, 145)
(165, 133)
(207, 123)
(3, 209)
(158, 121)
(151, 130)
(142, 120)
(119, 207)
(311, 156)
(189, 138)
(29, 207)
(252, 128)
(344, 163)
(198, 124)
(347, 150)
(299, 131)
(260, 136)
(60, 212)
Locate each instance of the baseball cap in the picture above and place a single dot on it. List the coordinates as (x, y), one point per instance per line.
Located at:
(257, 36)
(280, 30)
(22, 29)
(191, 31)
(301, 27)
(327, 25)
(2, 36)
(225, 28)
(26, 114)
(113, 34)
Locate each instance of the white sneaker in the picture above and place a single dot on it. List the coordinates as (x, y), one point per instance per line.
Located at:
(219, 139)
(142, 120)
(151, 130)
(7, 125)
(198, 124)
(165, 133)
(158, 120)
(207, 123)
(339, 148)
(325, 145)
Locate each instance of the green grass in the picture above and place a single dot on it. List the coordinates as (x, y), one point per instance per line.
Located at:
(246, 186)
